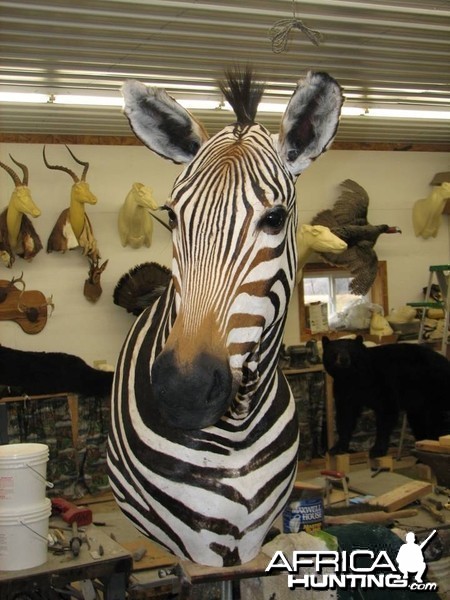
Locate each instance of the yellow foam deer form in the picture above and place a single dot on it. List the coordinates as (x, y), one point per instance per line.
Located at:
(315, 238)
(427, 211)
(17, 234)
(73, 228)
(134, 222)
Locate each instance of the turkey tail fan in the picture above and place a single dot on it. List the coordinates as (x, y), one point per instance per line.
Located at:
(141, 286)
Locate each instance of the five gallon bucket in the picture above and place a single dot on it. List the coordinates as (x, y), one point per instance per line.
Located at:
(23, 470)
(23, 537)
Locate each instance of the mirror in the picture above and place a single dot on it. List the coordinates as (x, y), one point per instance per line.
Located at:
(378, 293)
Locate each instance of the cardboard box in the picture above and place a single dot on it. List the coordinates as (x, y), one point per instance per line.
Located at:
(317, 317)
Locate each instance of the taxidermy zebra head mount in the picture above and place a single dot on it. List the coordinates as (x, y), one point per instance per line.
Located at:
(233, 216)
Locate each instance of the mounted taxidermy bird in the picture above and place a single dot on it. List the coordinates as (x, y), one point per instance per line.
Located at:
(348, 220)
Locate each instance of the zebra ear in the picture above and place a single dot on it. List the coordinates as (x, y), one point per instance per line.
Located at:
(161, 123)
(310, 121)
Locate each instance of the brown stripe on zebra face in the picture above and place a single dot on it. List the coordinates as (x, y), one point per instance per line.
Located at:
(234, 216)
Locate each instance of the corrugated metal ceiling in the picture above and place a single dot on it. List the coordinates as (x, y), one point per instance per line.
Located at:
(384, 53)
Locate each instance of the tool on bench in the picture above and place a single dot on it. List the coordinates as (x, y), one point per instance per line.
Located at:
(380, 470)
(335, 477)
(75, 516)
(434, 512)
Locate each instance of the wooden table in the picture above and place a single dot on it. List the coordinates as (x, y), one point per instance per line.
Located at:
(112, 569)
(191, 574)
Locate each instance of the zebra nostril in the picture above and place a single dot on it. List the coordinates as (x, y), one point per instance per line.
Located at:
(216, 387)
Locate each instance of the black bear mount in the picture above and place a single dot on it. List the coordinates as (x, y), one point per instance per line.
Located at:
(388, 379)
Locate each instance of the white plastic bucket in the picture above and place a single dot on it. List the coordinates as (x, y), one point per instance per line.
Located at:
(23, 537)
(23, 470)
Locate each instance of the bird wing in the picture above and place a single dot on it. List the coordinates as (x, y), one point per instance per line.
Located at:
(365, 277)
(349, 209)
(326, 218)
(351, 206)
(361, 261)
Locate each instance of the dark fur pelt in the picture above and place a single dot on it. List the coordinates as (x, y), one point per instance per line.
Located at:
(35, 373)
(387, 379)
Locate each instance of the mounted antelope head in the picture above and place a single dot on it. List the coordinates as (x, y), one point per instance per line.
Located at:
(73, 227)
(92, 287)
(17, 234)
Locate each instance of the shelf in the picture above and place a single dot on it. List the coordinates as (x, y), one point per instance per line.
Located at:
(310, 369)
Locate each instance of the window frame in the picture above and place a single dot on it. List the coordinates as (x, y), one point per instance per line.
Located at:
(378, 292)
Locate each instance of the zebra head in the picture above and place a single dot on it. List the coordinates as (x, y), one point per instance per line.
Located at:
(233, 215)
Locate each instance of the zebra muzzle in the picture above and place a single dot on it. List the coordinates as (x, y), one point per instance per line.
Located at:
(191, 396)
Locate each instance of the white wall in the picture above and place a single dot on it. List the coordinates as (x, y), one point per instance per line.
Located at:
(394, 180)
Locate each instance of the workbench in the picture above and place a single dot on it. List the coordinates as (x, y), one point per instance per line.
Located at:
(110, 567)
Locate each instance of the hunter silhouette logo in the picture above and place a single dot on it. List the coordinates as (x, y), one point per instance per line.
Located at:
(410, 558)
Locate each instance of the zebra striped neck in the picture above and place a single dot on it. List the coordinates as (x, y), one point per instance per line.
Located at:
(259, 371)
(241, 468)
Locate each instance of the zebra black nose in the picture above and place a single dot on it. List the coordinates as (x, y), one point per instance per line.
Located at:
(191, 396)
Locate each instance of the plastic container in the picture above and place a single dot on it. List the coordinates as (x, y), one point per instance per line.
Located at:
(23, 470)
(23, 537)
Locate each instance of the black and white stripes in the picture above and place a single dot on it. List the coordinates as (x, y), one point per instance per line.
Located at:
(204, 436)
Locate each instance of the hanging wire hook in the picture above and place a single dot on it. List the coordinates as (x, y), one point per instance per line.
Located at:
(279, 32)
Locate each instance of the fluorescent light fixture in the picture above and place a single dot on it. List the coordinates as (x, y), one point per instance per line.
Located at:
(23, 97)
(197, 104)
(400, 113)
(85, 100)
(359, 111)
(204, 105)
(269, 107)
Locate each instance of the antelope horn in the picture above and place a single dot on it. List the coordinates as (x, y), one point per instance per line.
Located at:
(13, 174)
(24, 169)
(80, 162)
(60, 168)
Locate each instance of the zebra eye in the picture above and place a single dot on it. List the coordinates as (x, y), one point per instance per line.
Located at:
(172, 216)
(273, 221)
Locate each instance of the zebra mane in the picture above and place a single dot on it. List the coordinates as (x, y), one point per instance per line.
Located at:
(242, 93)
